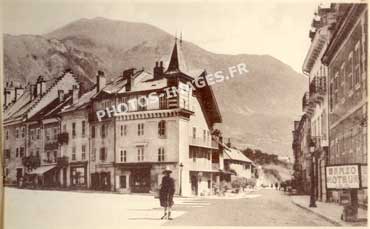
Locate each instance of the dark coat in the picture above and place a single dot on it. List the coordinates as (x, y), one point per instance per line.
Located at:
(166, 192)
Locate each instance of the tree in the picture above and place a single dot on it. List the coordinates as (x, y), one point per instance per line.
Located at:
(251, 182)
(248, 152)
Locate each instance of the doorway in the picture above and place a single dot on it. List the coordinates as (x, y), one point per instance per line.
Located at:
(19, 174)
(140, 180)
(194, 185)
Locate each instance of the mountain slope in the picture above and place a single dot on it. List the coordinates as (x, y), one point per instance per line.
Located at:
(258, 107)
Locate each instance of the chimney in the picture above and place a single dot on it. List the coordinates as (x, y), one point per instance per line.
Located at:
(61, 95)
(75, 93)
(100, 80)
(32, 91)
(128, 75)
(6, 97)
(41, 85)
(228, 142)
(158, 70)
(8, 94)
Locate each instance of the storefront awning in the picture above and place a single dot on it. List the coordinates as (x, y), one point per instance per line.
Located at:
(41, 170)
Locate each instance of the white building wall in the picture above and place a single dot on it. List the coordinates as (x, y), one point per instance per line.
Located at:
(78, 141)
(150, 140)
(12, 143)
(198, 121)
(183, 147)
(241, 170)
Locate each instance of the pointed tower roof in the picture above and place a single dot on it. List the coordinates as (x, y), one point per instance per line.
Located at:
(177, 62)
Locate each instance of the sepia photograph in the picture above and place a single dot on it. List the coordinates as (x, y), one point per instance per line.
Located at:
(146, 114)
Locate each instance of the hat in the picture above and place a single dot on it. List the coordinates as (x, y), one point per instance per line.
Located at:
(167, 170)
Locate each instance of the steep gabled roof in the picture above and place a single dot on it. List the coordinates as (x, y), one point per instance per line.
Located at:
(17, 110)
(208, 101)
(25, 108)
(52, 109)
(235, 155)
(81, 103)
(143, 81)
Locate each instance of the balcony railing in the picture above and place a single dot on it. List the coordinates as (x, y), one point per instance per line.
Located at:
(215, 166)
(51, 145)
(209, 143)
(320, 141)
(62, 161)
(49, 161)
(316, 23)
(317, 89)
(31, 162)
(305, 101)
(312, 34)
(63, 138)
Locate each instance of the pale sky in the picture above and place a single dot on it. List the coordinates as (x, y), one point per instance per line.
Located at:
(279, 28)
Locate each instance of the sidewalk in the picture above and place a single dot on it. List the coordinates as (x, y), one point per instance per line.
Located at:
(329, 211)
(83, 211)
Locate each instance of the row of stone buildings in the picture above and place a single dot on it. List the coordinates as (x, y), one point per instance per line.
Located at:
(54, 138)
(335, 107)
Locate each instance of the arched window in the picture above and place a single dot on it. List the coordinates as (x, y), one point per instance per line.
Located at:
(162, 128)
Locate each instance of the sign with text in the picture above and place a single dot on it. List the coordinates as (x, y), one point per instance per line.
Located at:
(343, 176)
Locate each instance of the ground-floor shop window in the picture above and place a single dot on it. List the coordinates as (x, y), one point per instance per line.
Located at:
(78, 176)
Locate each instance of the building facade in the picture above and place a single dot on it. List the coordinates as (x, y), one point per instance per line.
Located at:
(237, 164)
(317, 111)
(74, 141)
(336, 104)
(120, 135)
(30, 127)
(169, 131)
(302, 158)
(346, 59)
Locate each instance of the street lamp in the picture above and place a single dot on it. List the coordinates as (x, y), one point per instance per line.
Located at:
(181, 166)
(312, 196)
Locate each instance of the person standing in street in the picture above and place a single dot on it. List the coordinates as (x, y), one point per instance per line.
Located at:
(166, 193)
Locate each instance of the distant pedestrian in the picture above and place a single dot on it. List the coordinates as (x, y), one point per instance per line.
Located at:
(166, 193)
(276, 185)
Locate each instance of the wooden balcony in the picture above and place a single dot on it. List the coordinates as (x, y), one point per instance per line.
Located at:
(62, 161)
(63, 138)
(305, 102)
(51, 145)
(320, 142)
(31, 162)
(201, 142)
(216, 166)
(317, 90)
